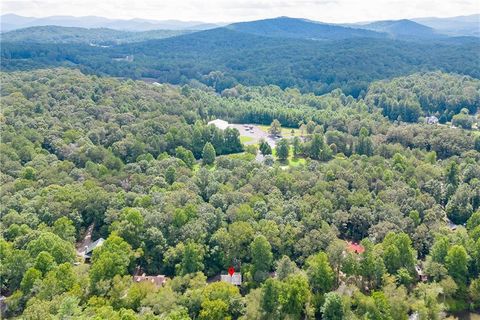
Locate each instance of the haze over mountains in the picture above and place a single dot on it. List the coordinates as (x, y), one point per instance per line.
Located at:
(13, 21)
(402, 28)
(276, 27)
(462, 25)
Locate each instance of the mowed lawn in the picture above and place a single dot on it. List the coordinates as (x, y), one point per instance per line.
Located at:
(286, 132)
(291, 161)
(245, 139)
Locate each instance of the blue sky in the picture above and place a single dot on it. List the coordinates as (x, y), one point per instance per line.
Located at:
(242, 10)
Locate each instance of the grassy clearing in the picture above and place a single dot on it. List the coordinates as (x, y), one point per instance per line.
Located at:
(295, 162)
(198, 165)
(245, 139)
(244, 156)
(291, 161)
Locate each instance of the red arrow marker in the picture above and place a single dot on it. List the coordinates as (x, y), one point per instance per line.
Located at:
(231, 271)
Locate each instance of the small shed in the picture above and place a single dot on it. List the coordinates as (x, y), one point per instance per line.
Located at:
(87, 254)
(158, 280)
(219, 123)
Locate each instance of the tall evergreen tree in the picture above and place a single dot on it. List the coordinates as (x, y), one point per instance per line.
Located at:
(208, 154)
(265, 148)
(261, 252)
(283, 149)
(365, 145)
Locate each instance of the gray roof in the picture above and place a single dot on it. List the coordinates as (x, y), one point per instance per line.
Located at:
(93, 245)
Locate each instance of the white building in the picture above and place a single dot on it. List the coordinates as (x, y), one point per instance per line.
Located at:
(235, 279)
(220, 124)
(431, 120)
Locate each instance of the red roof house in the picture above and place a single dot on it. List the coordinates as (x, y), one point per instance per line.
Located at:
(355, 247)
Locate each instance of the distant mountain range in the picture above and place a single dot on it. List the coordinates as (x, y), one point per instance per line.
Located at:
(455, 26)
(282, 27)
(102, 31)
(12, 21)
(287, 52)
(425, 27)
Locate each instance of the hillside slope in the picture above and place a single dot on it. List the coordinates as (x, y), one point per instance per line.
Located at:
(402, 29)
(454, 26)
(285, 27)
(98, 36)
(222, 58)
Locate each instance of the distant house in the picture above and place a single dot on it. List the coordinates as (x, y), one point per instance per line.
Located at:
(235, 279)
(158, 280)
(414, 316)
(420, 274)
(450, 224)
(220, 124)
(127, 58)
(431, 120)
(87, 254)
(355, 247)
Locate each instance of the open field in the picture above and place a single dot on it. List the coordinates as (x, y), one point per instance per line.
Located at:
(286, 132)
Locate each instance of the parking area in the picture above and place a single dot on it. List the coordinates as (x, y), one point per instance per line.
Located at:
(254, 132)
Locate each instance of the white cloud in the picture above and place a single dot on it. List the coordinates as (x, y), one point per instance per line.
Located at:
(241, 10)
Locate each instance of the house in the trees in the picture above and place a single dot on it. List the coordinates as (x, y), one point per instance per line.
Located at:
(158, 280)
(235, 279)
(87, 254)
(450, 224)
(431, 120)
(420, 274)
(355, 247)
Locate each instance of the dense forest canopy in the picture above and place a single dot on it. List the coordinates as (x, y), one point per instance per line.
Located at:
(93, 36)
(172, 195)
(223, 58)
(439, 94)
(285, 27)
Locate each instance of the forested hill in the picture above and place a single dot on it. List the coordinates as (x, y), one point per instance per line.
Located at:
(222, 58)
(403, 29)
(445, 96)
(94, 36)
(351, 215)
(285, 27)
